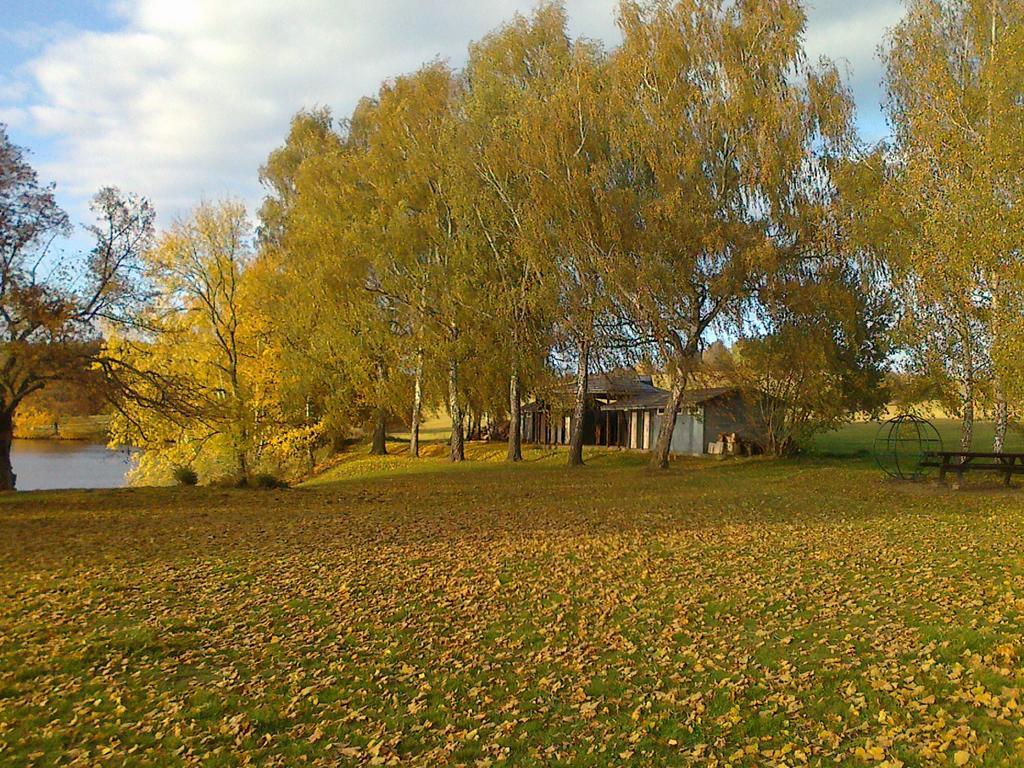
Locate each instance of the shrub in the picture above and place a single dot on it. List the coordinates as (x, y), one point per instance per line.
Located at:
(185, 476)
(266, 480)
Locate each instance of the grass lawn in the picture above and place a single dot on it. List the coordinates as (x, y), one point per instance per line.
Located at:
(741, 612)
(856, 439)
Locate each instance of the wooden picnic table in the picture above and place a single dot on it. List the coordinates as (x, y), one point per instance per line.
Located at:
(958, 462)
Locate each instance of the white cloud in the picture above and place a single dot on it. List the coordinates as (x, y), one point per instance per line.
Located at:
(187, 97)
(34, 35)
(850, 34)
(13, 90)
(15, 117)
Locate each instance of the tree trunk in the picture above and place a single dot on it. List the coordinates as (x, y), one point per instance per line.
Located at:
(999, 392)
(967, 426)
(380, 434)
(515, 432)
(1002, 416)
(243, 467)
(458, 449)
(579, 406)
(7, 477)
(417, 405)
(659, 459)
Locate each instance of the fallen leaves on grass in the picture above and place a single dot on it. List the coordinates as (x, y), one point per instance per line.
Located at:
(724, 614)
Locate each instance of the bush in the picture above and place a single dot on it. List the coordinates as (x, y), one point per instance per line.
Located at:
(267, 481)
(185, 476)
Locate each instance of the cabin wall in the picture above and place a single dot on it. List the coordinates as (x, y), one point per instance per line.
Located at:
(639, 429)
(687, 437)
(547, 428)
(732, 413)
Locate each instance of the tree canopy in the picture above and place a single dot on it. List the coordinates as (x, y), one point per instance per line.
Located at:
(52, 310)
(469, 237)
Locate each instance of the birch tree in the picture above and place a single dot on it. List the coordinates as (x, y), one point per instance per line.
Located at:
(510, 69)
(422, 261)
(566, 132)
(311, 134)
(312, 388)
(955, 83)
(720, 129)
(343, 331)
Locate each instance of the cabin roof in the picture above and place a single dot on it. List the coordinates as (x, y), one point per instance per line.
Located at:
(658, 399)
(612, 385)
(618, 384)
(639, 395)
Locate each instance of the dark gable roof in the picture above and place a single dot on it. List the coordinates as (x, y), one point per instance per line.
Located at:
(642, 401)
(659, 397)
(613, 385)
(618, 384)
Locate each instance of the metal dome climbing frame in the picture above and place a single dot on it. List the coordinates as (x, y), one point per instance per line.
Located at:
(902, 444)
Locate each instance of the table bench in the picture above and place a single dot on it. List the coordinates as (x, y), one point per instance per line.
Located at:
(958, 462)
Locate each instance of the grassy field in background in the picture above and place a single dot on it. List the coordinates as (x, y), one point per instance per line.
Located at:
(853, 440)
(857, 438)
(436, 427)
(741, 612)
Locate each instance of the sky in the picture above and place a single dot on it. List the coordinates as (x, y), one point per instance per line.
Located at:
(182, 100)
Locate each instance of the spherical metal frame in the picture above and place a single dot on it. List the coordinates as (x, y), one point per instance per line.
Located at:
(902, 444)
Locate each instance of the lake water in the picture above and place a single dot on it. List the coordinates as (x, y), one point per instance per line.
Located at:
(46, 464)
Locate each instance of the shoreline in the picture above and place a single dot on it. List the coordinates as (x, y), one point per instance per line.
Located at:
(100, 439)
(92, 429)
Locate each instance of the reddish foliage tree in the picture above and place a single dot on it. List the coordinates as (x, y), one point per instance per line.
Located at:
(50, 309)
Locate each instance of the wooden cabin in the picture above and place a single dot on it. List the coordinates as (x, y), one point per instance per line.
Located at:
(624, 410)
(549, 423)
